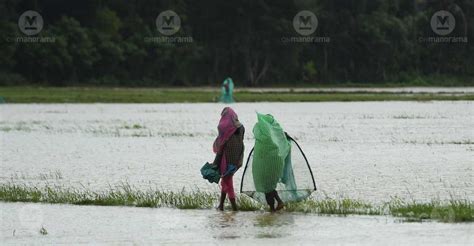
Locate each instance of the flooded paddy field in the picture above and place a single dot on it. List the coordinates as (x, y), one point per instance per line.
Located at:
(123, 225)
(369, 151)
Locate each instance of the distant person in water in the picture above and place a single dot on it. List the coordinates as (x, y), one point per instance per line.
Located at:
(229, 150)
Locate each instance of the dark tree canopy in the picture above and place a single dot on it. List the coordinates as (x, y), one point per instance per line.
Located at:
(107, 42)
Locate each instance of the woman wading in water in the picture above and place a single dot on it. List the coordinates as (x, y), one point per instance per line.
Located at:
(270, 157)
(229, 150)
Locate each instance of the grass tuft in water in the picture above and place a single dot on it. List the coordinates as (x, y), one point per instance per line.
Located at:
(452, 211)
(122, 195)
(126, 195)
(248, 204)
(43, 231)
(333, 206)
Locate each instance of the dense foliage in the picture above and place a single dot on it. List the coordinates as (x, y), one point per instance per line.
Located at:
(106, 42)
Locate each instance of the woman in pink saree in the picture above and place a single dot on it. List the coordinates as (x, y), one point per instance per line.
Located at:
(229, 150)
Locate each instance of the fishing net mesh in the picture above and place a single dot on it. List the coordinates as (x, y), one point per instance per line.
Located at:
(276, 163)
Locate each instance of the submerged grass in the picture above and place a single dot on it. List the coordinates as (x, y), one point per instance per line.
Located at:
(452, 211)
(125, 195)
(344, 206)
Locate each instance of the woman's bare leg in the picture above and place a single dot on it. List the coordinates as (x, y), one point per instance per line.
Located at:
(221, 202)
(233, 203)
(280, 202)
(270, 200)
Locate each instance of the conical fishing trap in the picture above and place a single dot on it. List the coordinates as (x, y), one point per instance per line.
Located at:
(278, 163)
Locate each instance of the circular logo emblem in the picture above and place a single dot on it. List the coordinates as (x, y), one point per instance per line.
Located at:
(30, 22)
(443, 22)
(168, 22)
(305, 22)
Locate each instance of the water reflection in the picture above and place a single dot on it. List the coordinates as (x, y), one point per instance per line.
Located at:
(274, 219)
(238, 225)
(225, 225)
(273, 225)
(226, 219)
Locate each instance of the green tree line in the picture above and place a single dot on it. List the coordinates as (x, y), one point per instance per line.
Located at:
(106, 42)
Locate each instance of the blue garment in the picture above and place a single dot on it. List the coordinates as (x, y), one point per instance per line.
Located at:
(211, 173)
(231, 169)
(227, 91)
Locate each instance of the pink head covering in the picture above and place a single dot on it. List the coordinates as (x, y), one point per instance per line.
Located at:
(227, 126)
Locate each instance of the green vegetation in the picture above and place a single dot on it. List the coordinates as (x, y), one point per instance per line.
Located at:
(110, 42)
(134, 126)
(43, 231)
(452, 211)
(125, 195)
(156, 95)
(343, 206)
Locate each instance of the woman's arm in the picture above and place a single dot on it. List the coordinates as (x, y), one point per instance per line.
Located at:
(217, 159)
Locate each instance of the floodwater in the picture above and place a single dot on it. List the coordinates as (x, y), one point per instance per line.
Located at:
(123, 225)
(366, 150)
(372, 151)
